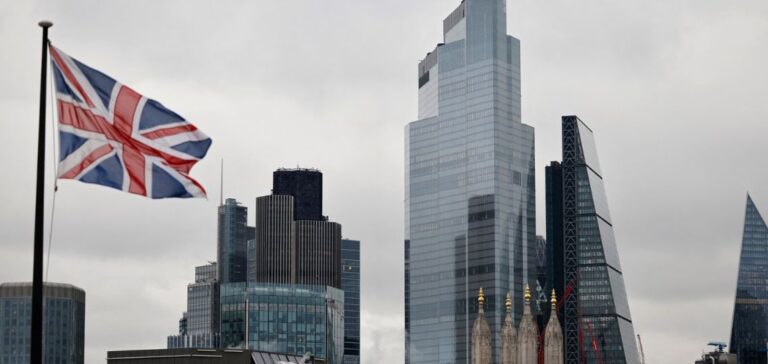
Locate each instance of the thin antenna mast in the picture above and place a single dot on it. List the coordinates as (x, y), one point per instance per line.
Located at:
(221, 185)
(642, 352)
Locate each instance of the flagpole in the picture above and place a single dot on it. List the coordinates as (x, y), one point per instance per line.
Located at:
(36, 347)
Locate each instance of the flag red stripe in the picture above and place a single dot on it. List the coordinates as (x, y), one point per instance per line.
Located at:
(79, 118)
(170, 131)
(87, 161)
(135, 163)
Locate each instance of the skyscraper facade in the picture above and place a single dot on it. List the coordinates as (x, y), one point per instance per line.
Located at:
(350, 283)
(64, 323)
(199, 325)
(284, 318)
(598, 325)
(234, 234)
(749, 333)
(470, 186)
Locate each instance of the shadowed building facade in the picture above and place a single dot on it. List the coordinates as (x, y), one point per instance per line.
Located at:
(749, 333)
(553, 174)
(598, 325)
(469, 187)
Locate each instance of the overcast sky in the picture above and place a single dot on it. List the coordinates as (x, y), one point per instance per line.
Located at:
(675, 90)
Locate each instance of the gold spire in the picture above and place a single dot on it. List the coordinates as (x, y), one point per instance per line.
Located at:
(508, 302)
(554, 299)
(481, 298)
(527, 294)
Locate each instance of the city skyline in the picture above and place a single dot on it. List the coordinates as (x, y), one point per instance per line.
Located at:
(642, 70)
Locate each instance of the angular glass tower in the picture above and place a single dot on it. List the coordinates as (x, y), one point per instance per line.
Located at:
(598, 326)
(469, 186)
(749, 334)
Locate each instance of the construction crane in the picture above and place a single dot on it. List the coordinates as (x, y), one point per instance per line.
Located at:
(642, 352)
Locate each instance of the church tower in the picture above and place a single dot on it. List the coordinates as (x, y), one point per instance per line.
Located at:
(508, 335)
(527, 336)
(481, 334)
(553, 337)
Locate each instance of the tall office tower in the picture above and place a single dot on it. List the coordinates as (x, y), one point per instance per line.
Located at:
(289, 250)
(749, 333)
(555, 253)
(598, 326)
(469, 186)
(199, 326)
(64, 332)
(350, 283)
(306, 187)
(233, 239)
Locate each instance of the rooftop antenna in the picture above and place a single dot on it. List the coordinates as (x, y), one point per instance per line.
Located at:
(221, 185)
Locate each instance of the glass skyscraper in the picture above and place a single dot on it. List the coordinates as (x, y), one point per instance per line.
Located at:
(64, 323)
(284, 318)
(199, 326)
(598, 326)
(749, 334)
(469, 186)
(350, 283)
(234, 234)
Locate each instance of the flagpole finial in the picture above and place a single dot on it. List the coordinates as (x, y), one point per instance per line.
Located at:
(45, 24)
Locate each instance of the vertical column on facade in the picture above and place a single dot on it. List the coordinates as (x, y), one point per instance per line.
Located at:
(570, 240)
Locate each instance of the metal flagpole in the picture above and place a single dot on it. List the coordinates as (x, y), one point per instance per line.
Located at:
(36, 347)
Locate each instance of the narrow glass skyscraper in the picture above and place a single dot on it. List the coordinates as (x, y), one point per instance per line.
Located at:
(469, 187)
(598, 326)
(233, 242)
(350, 283)
(749, 334)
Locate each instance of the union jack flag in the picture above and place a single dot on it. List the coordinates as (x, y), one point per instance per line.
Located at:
(112, 136)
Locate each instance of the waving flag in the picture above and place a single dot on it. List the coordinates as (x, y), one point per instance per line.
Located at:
(112, 136)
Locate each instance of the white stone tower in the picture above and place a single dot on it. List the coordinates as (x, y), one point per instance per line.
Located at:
(508, 335)
(481, 335)
(527, 335)
(553, 337)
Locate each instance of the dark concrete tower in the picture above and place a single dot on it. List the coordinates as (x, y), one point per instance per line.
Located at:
(306, 187)
(293, 246)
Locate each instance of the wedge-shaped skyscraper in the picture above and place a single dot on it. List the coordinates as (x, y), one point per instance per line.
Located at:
(598, 326)
(470, 209)
(749, 333)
